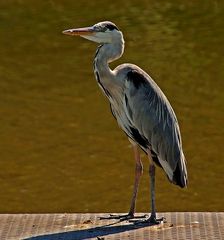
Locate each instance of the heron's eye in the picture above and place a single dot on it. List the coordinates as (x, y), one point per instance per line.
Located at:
(111, 27)
(97, 28)
(104, 28)
(100, 28)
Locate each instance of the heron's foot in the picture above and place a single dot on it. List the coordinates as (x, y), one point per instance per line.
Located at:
(152, 220)
(124, 217)
(118, 216)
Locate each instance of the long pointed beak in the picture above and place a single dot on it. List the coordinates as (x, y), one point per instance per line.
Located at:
(79, 31)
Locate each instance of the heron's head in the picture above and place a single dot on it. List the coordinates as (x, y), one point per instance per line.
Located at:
(102, 32)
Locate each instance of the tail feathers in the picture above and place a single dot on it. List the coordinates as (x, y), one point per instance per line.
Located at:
(180, 174)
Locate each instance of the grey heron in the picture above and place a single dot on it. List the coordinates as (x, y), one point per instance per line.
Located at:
(141, 109)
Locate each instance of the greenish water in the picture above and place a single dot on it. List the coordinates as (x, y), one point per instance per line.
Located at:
(60, 148)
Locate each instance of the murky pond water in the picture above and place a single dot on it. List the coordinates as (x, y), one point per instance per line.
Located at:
(60, 148)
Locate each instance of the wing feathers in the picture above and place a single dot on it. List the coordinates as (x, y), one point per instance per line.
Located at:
(153, 118)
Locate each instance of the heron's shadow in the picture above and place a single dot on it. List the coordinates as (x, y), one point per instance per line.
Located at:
(96, 232)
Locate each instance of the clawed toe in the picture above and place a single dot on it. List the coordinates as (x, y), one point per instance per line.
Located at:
(149, 221)
(123, 217)
(155, 221)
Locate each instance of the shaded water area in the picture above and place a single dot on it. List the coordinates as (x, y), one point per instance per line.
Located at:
(60, 148)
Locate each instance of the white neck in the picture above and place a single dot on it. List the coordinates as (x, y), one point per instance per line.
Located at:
(105, 54)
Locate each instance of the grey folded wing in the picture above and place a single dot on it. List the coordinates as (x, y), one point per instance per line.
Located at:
(151, 115)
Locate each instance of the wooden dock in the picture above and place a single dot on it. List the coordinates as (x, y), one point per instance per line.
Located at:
(188, 225)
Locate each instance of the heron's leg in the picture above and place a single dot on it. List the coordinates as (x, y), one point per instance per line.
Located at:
(138, 173)
(152, 219)
(152, 171)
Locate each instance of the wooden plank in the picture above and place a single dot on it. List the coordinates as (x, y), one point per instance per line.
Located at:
(190, 225)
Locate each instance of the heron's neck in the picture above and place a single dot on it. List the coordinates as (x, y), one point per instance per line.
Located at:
(105, 54)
